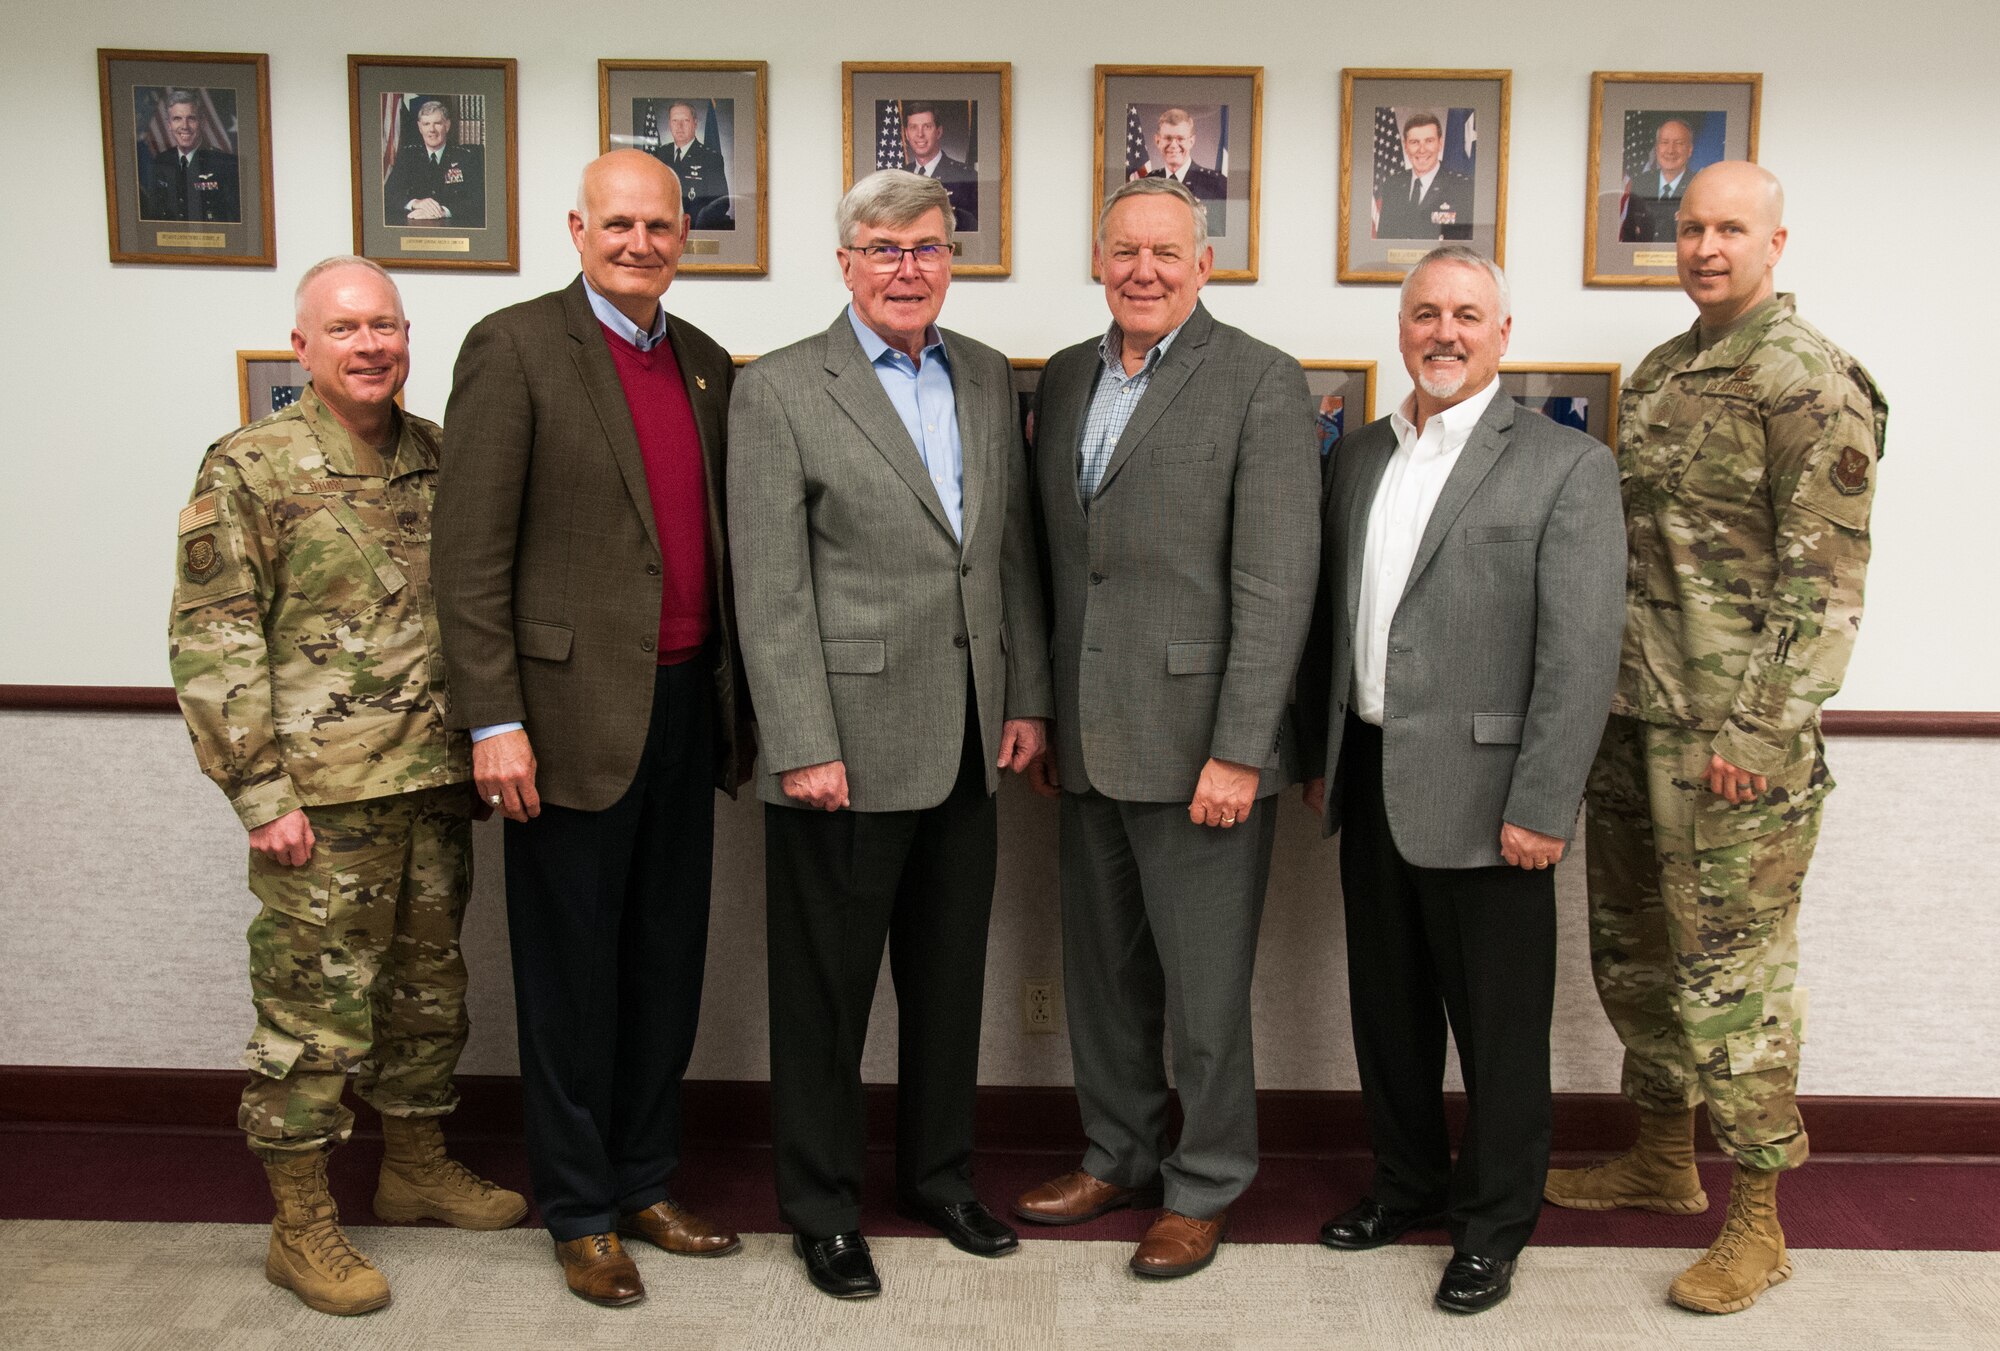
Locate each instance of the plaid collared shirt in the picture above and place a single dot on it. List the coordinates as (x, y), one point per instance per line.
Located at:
(1112, 399)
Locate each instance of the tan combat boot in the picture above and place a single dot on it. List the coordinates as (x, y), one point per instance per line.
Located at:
(1656, 1174)
(309, 1253)
(1747, 1257)
(421, 1182)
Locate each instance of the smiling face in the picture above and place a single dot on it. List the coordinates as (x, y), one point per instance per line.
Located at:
(1672, 147)
(921, 131)
(354, 342)
(1152, 272)
(183, 126)
(434, 124)
(630, 243)
(1175, 142)
(1423, 145)
(1728, 239)
(1451, 333)
(901, 303)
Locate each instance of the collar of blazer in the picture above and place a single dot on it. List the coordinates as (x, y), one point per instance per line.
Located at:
(1375, 443)
(598, 375)
(1176, 368)
(856, 387)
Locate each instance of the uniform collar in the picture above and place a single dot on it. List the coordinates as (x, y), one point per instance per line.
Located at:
(1741, 338)
(345, 455)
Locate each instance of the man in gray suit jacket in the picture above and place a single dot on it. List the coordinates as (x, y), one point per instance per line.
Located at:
(895, 645)
(1175, 471)
(1458, 677)
(583, 595)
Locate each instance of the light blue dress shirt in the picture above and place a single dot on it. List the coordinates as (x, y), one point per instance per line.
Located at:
(923, 399)
(1112, 399)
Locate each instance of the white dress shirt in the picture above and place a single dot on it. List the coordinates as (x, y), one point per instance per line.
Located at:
(1410, 485)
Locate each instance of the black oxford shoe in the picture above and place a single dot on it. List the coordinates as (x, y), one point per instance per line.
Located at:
(969, 1226)
(839, 1265)
(1370, 1224)
(1472, 1284)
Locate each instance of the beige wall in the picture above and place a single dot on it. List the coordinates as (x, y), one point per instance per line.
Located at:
(122, 911)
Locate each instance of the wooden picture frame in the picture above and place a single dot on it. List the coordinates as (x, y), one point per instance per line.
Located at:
(1393, 210)
(1133, 104)
(1580, 394)
(459, 213)
(970, 136)
(216, 207)
(1658, 117)
(1339, 389)
(723, 167)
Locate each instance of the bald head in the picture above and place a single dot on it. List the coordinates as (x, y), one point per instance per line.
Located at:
(1729, 235)
(629, 231)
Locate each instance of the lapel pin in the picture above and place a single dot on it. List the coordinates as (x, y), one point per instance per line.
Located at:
(701, 382)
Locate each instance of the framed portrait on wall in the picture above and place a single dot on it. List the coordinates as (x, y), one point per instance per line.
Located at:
(945, 120)
(432, 150)
(1423, 161)
(1199, 124)
(1649, 134)
(187, 156)
(1343, 398)
(705, 121)
(1583, 395)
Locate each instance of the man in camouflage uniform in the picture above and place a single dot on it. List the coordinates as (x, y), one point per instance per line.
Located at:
(305, 652)
(1747, 449)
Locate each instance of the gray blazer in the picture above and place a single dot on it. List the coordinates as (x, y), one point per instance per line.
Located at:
(545, 553)
(1181, 597)
(1504, 648)
(859, 610)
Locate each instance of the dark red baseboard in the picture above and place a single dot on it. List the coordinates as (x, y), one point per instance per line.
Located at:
(732, 1112)
(160, 699)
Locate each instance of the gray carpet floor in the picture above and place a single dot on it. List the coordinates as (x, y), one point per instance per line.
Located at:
(142, 1287)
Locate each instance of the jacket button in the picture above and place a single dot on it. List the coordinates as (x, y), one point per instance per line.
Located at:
(646, 644)
(1096, 577)
(965, 569)
(958, 640)
(652, 569)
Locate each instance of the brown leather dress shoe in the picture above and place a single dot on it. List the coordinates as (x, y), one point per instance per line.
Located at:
(1076, 1197)
(1177, 1245)
(597, 1269)
(666, 1226)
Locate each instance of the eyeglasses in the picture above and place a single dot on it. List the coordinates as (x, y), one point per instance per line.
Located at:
(889, 257)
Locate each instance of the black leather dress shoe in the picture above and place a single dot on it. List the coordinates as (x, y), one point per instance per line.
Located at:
(1472, 1284)
(839, 1265)
(1370, 1224)
(969, 1225)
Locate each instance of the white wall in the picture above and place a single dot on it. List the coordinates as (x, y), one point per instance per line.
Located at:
(117, 377)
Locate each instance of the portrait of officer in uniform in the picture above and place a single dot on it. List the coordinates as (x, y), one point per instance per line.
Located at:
(924, 155)
(698, 164)
(436, 182)
(192, 179)
(1424, 200)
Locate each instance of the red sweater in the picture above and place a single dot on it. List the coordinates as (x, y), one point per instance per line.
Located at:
(677, 481)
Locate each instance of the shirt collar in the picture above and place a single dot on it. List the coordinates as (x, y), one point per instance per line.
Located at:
(609, 315)
(1732, 344)
(873, 346)
(1455, 423)
(344, 454)
(1111, 348)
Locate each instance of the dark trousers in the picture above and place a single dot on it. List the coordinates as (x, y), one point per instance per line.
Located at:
(1474, 948)
(837, 884)
(608, 915)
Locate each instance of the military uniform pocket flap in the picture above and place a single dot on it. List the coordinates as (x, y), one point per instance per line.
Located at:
(1773, 1043)
(854, 656)
(1209, 658)
(1498, 729)
(543, 641)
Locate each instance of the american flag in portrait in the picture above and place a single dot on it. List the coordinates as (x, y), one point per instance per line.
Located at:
(1137, 163)
(283, 397)
(647, 132)
(889, 135)
(1388, 160)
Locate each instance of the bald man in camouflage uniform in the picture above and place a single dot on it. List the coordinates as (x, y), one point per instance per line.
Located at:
(305, 653)
(1748, 448)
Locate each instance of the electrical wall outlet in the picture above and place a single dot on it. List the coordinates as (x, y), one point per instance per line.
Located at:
(1038, 1004)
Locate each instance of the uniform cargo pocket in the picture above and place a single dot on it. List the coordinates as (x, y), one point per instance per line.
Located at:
(1774, 1043)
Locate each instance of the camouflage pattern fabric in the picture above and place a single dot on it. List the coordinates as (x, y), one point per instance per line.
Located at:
(355, 965)
(1748, 469)
(1694, 908)
(304, 639)
(1747, 460)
